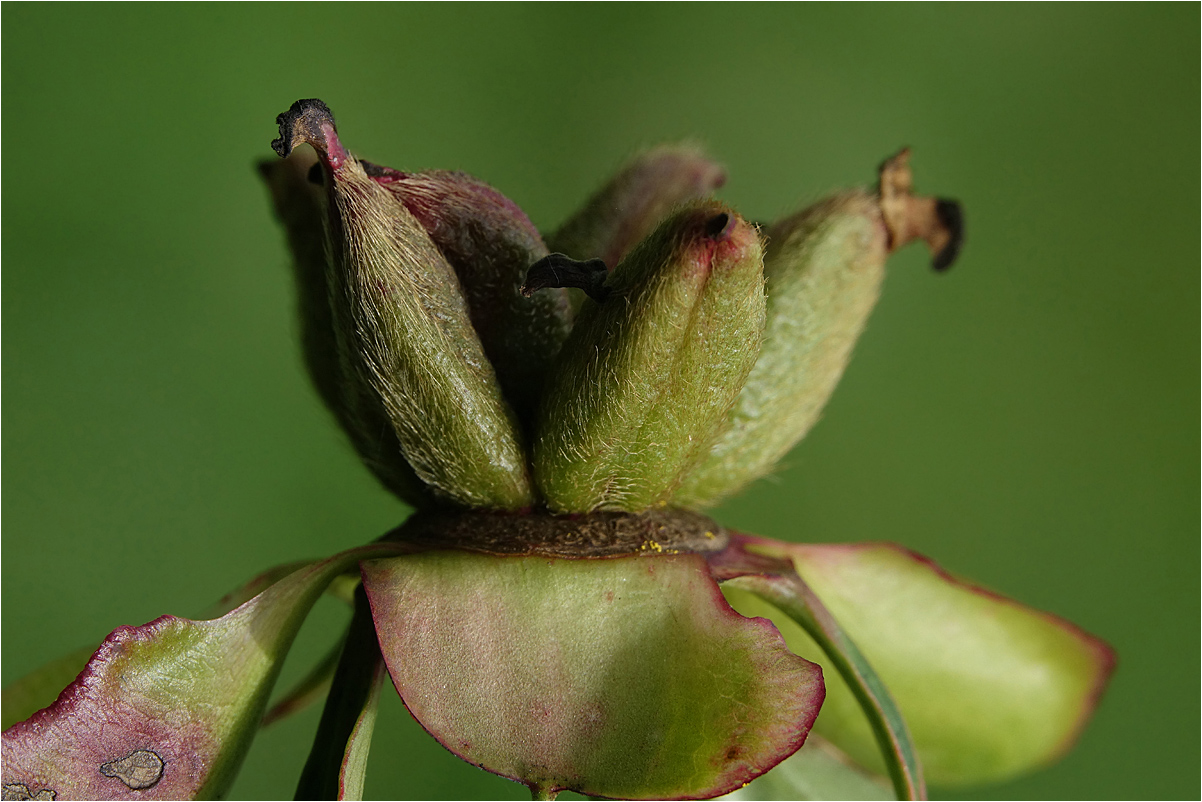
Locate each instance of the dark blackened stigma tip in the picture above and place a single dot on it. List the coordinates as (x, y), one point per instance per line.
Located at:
(951, 215)
(309, 113)
(558, 270)
(717, 224)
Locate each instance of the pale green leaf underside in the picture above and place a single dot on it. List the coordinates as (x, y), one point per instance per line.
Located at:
(818, 771)
(627, 677)
(989, 688)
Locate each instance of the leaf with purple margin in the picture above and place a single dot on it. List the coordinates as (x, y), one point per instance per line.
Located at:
(622, 677)
(817, 771)
(167, 710)
(755, 584)
(990, 688)
(40, 687)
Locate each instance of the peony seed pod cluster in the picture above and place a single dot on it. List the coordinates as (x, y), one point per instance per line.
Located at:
(560, 409)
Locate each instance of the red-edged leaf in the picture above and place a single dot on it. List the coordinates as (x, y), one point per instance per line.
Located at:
(817, 771)
(776, 582)
(168, 709)
(625, 677)
(990, 688)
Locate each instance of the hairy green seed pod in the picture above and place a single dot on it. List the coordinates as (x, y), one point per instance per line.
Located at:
(299, 203)
(634, 201)
(650, 372)
(823, 269)
(404, 331)
(490, 243)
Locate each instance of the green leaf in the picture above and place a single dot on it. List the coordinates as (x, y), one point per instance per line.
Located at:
(990, 688)
(817, 771)
(790, 595)
(337, 761)
(623, 677)
(168, 709)
(39, 688)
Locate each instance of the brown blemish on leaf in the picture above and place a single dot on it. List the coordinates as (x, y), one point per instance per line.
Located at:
(21, 791)
(138, 770)
(937, 221)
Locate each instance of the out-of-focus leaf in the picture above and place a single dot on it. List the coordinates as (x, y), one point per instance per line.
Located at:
(337, 762)
(989, 687)
(308, 689)
(817, 771)
(167, 710)
(241, 595)
(343, 588)
(624, 677)
(41, 687)
(776, 588)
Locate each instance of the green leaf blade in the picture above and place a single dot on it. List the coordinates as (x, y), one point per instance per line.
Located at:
(167, 710)
(784, 597)
(817, 771)
(626, 677)
(990, 688)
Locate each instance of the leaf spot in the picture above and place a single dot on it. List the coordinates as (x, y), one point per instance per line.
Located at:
(138, 770)
(21, 791)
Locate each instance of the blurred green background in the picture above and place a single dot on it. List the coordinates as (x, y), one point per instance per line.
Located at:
(1029, 419)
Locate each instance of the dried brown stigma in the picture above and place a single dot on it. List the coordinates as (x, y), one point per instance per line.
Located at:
(937, 221)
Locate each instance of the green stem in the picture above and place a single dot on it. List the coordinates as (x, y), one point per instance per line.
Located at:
(338, 759)
(794, 597)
